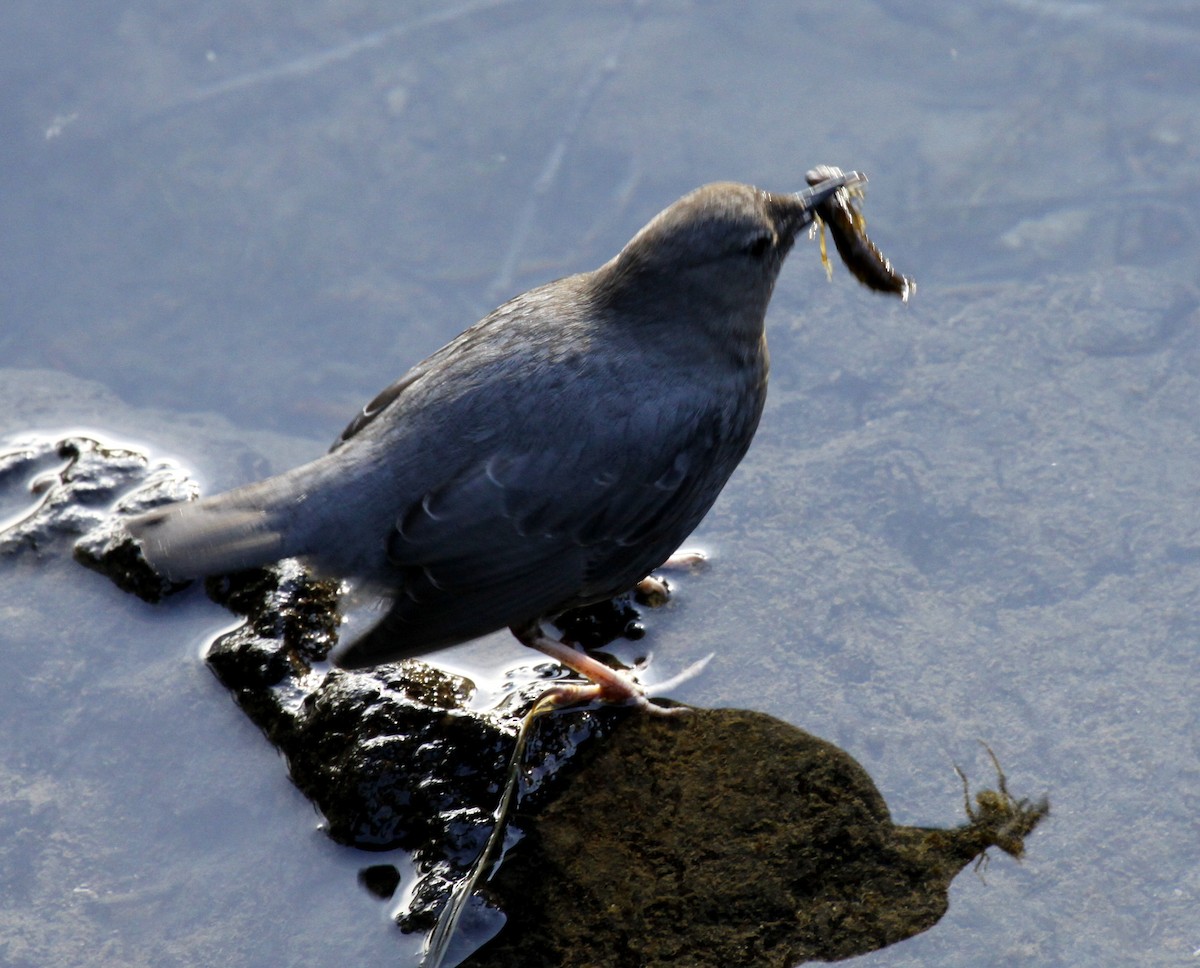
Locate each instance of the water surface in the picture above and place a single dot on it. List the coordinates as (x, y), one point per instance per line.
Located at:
(970, 517)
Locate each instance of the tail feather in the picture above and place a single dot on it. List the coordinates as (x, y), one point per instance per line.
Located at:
(204, 538)
(312, 511)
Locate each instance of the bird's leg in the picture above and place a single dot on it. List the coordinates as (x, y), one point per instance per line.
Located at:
(605, 684)
(652, 591)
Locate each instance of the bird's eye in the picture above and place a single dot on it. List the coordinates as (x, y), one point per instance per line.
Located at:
(758, 247)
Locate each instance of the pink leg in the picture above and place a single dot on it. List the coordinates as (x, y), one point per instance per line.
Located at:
(606, 684)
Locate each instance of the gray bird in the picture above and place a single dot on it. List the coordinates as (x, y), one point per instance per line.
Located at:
(549, 457)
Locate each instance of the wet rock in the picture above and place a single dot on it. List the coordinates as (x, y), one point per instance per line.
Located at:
(79, 486)
(391, 756)
(380, 880)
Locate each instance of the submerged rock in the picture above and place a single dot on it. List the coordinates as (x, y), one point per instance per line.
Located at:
(727, 837)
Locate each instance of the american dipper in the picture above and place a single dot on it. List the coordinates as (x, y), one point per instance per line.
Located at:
(549, 457)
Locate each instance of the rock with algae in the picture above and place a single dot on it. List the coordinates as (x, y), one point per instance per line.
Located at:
(727, 837)
(392, 756)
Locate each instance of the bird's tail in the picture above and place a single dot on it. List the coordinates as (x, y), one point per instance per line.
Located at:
(242, 528)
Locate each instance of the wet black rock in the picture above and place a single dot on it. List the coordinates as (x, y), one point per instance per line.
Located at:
(392, 756)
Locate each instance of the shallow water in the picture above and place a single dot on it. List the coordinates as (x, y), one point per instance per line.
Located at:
(971, 517)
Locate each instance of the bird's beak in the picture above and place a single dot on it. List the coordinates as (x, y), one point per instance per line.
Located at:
(815, 194)
(798, 208)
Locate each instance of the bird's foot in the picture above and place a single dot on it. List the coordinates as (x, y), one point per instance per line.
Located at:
(654, 591)
(685, 561)
(604, 684)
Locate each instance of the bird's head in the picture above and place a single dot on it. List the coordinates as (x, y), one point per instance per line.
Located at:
(714, 255)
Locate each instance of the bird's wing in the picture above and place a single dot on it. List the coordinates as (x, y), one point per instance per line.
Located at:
(380, 402)
(514, 537)
(452, 366)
